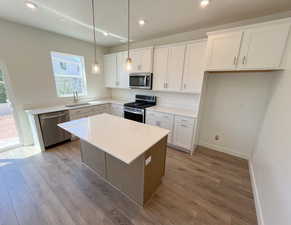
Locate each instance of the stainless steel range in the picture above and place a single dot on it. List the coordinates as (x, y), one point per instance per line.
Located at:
(136, 110)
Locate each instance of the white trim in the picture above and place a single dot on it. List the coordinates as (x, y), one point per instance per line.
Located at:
(82, 77)
(180, 148)
(65, 60)
(7, 148)
(258, 205)
(69, 76)
(223, 149)
(181, 43)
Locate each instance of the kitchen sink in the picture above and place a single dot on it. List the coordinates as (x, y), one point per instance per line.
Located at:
(77, 104)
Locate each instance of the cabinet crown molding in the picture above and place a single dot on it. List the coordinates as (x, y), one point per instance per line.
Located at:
(181, 43)
(246, 27)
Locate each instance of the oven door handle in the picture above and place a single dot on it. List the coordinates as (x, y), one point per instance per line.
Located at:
(139, 113)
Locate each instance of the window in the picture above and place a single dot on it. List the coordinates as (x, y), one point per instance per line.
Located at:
(69, 74)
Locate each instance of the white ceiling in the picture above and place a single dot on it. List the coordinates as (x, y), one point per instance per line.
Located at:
(164, 17)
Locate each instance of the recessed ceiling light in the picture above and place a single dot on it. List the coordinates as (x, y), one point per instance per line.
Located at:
(204, 3)
(31, 5)
(105, 33)
(141, 22)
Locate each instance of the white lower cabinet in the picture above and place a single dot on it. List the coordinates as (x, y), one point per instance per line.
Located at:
(117, 110)
(88, 111)
(182, 128)
(184, 132)
(114, 109)
(163, 120)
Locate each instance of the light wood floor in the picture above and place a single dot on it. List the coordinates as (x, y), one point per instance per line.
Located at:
(54, 188)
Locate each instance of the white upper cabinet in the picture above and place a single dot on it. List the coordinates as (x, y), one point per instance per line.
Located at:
(223, 51)
(122, 73)
(175, 68)
(110, 70)
(254, 47)
(142, 60)
(160, 68)
(194, 67)
(168, 67)
(115, 73)
(263, 47)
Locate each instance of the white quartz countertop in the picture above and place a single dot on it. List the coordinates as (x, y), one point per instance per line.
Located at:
(176, 111)
(123, 139)
(63, 107)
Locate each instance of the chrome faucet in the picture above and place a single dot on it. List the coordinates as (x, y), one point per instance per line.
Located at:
(76, 96)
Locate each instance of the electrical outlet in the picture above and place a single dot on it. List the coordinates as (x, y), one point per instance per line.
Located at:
(216, 137)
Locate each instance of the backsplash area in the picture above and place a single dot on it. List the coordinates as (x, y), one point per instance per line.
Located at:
(177, 100)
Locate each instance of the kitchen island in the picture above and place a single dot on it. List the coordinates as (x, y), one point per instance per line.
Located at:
(129, 155)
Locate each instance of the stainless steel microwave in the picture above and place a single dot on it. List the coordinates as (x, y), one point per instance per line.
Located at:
(141, 80)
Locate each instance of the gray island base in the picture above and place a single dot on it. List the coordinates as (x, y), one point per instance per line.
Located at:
(137, 180)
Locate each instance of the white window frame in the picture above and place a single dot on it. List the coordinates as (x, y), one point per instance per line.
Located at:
(83, 72)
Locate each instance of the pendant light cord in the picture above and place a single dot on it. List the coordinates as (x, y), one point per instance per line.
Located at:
(94, 30)
(128, 24)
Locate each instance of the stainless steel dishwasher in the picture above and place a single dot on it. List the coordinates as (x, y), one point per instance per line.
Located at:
(51, 133)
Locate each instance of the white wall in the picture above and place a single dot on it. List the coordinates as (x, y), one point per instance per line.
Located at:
(233, 107)
(271, 161)
(25, 51)
(166, 99)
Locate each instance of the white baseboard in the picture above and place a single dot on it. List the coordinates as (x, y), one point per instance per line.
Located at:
(223, 149)
(179, 148)
(256, 195)
(7, 148)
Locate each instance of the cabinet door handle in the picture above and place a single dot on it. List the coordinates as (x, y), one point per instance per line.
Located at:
(185, 86)
(183, 125)
(234, 60)
(244, 61)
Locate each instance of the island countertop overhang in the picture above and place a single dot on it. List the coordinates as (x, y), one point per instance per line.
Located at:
(123, 139)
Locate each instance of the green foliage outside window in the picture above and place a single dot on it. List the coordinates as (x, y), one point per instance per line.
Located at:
(3, 95)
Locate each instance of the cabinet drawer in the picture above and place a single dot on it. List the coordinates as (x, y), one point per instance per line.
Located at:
(159, 115)
(80, 111)
(100, 109)
(185, 121)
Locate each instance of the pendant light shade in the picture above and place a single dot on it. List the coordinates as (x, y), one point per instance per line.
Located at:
(128, 60)
(95, 68)
(95, 65)
(128, 64)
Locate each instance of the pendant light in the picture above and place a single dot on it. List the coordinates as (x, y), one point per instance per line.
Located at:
(128, 60)
(95, 65)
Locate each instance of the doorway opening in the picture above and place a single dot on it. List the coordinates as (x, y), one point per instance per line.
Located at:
(9, 137)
